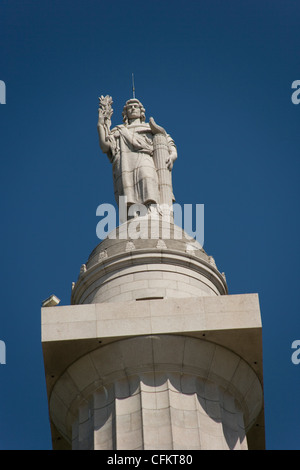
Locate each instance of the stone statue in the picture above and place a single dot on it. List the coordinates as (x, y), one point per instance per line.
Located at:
(142, 155)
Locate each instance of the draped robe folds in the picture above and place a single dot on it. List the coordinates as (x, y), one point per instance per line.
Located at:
(134, 172)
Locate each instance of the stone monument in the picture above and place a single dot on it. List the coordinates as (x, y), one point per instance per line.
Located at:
(142, 155)
(152, 353)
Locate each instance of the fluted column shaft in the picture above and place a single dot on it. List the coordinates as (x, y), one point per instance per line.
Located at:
(158, 392)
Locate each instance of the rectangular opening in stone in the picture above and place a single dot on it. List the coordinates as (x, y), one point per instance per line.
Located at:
(151, 298)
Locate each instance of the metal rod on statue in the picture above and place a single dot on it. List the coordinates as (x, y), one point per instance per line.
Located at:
(133, 88)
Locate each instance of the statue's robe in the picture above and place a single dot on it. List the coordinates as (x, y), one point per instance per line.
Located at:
(134, 172)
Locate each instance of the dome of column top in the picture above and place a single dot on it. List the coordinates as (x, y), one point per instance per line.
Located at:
(169, 264)
(168, 236)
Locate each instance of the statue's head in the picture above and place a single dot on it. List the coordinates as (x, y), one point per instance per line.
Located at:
(133, 109)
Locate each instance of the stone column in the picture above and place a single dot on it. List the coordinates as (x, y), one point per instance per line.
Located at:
(153, 353)
(157, 392)
(160, 155)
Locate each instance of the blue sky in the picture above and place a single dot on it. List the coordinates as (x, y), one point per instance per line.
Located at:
(217, 75)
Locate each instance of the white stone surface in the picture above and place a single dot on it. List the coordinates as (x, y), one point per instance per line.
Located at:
(229, 328)
(154, 268)
(159, 399)
(120, 319)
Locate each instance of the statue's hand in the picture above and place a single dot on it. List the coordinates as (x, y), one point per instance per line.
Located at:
(103, 120)
(101, 117)
(169, 163)
(155, 128)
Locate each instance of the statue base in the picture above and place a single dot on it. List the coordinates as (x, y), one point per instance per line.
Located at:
(153, 353)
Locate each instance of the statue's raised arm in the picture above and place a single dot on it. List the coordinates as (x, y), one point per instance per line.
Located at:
(104, 122)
